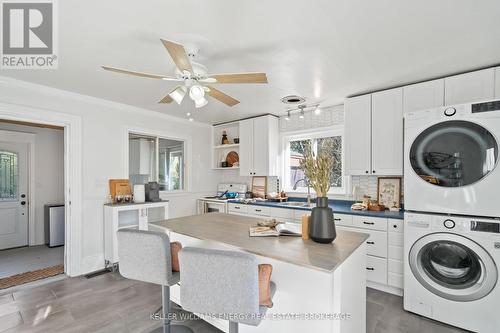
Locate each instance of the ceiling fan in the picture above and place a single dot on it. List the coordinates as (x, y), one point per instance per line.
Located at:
(195, 78)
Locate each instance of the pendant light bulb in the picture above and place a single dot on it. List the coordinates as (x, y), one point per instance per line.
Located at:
(317, 110)
(287, 118)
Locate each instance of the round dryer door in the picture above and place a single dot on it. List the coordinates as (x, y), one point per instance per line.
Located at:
(454, 153)
(453, 267)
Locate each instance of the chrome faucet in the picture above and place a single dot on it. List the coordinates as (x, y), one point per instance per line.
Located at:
(308, 189)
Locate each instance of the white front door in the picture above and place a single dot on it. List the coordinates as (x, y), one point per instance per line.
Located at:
(13, 194)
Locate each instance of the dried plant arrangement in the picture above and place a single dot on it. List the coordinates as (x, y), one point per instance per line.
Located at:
(319, 168)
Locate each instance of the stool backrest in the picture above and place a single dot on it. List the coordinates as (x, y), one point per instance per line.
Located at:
(145, 256)
(219, 282)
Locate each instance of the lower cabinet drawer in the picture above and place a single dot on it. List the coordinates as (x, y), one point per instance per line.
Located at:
(376, 244)
(342, 219)
(376, 269)
(282, 213)
(237, 208)
(259, 210)
(395, 280)
(368, 222)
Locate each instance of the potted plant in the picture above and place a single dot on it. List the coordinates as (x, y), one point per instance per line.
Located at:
(318, 169)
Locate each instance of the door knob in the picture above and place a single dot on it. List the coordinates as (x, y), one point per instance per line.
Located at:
(23, 203)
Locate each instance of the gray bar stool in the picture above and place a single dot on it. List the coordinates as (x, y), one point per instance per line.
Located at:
(221, 282)
(145, 256)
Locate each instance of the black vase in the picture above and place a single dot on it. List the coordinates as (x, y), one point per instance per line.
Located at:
(322, 227)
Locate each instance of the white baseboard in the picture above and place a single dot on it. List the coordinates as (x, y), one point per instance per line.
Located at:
(385, 288)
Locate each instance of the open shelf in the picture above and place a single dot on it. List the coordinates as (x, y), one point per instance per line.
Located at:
(232, 145)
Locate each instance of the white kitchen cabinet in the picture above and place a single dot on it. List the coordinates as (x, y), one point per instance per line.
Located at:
(357, 118)
(470, 87)
(497, 83)
(259, 146)
(425, 95)
(123, 216)
(387, 132)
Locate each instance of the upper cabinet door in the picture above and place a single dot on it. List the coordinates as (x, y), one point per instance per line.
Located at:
(357, 114)
(470, 87)
(246, 147)
(387, 132)
(425, 95)
(497, 82)
(261, 145)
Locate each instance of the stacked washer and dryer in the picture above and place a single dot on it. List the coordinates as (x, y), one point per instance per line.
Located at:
(452, 218)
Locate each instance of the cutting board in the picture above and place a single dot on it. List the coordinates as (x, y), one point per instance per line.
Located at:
(119, 187)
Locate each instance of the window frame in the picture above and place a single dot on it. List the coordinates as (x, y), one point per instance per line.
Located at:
(305, 135)
(157, 136)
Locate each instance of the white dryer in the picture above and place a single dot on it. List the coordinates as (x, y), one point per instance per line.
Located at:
(451, 270)
(451, 157)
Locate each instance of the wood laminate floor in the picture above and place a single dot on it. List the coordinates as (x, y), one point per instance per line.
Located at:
(111, 303)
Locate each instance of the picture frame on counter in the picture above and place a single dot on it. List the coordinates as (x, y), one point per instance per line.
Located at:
(389, 191)
(259, 186)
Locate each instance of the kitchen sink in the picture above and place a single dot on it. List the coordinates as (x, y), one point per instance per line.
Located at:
(296, 204)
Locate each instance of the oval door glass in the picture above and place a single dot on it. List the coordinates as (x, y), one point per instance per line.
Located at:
(454, 153)
(450, 264)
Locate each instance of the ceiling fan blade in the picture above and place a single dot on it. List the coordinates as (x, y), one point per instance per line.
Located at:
(179, 55)
(166, 100)
(240, 78)
(220, 96)
(151, 76)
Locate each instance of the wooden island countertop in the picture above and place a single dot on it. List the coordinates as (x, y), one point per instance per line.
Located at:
(233, 230)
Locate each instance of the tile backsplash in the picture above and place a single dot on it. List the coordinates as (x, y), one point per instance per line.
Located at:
(368, 185)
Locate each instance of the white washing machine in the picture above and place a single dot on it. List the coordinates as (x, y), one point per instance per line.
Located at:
(451, 157)
(451, 270)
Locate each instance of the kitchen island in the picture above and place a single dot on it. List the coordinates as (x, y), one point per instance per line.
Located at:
(319, 287)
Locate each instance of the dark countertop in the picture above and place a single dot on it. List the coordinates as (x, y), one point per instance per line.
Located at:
(338, 206)
(233, 230)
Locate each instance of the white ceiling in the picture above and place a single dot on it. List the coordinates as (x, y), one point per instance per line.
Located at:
(322, 49)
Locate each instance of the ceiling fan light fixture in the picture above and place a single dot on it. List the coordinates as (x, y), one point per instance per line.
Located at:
(317, 110)
(201, 102)
(287, 118)
(197, 93)
(178, 94)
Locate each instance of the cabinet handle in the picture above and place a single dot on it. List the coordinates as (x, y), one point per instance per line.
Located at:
(337, 219)
(369, 223)
(370, 268)
(366, 171)
(258, 210)
(395, 226)
(373, 171)
(236, 207)
(371, 243)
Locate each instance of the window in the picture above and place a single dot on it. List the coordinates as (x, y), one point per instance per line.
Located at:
(295, 148)
(8, 176)
(156, 159)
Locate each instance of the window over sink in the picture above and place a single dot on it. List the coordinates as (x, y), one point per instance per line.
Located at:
(153, 158)
(295, 146)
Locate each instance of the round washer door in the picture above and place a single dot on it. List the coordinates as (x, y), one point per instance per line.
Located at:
(454, 153)
(453, 267)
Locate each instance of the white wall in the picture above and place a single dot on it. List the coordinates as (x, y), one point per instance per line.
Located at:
(104, 152)
(49, 170)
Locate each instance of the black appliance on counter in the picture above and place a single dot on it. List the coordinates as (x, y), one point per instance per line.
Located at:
(152, 191)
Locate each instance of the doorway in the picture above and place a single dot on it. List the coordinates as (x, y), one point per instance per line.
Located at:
(32, 219)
